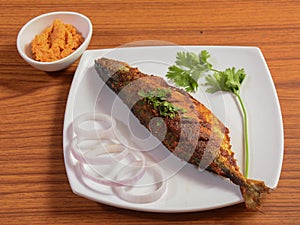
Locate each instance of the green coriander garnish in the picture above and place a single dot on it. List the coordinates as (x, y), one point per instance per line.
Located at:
(188, 69)
(159, 102)
(231, 81)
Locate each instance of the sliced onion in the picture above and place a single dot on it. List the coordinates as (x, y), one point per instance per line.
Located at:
(94, 133)
(102, 153)
(118, 182)
(123, 191)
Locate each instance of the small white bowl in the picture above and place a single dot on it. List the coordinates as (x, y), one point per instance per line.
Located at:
(38, 24)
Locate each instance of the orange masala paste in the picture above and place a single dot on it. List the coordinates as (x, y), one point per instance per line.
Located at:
(55, 42)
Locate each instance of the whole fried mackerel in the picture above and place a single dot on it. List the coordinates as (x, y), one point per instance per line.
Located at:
(193, 133)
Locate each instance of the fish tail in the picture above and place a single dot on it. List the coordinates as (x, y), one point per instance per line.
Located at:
(253, 192)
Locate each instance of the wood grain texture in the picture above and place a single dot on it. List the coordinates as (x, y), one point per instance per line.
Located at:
(33, 184)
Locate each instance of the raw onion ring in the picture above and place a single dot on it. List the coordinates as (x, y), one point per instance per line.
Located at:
(105, 149)
(119, 182)
(122, 191)
(94, 133)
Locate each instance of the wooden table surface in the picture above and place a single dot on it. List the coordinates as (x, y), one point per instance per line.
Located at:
(33, 184)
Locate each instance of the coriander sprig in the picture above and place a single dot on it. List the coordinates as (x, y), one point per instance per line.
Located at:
(231, 81)
(190, 67)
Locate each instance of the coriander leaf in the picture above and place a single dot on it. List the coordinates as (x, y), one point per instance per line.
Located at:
(187, 59)
(188, 69)
(182, 78)
(234, 79)
(213, 82)
(228, 80)
(204, 56)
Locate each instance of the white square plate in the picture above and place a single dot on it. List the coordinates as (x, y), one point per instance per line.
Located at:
(189, 189)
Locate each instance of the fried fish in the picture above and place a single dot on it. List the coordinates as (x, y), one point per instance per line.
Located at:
(193, 133)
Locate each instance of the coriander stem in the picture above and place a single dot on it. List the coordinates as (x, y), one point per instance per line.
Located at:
(246, 157)
(214, 70)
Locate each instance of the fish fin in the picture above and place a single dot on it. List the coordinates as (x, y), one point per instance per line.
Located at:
(253, 193)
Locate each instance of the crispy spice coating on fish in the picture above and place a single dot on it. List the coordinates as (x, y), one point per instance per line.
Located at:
(193, 133)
